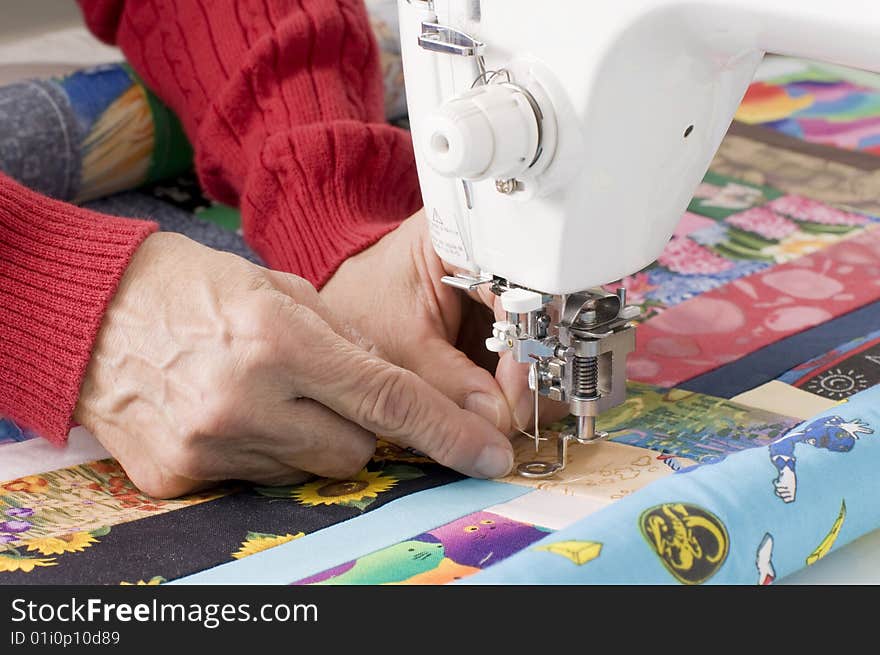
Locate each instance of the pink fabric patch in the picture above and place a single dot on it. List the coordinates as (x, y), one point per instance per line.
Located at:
(763, 222)
(690, 223)
(685, 256)
(637, 288)
(803, 283)
(795, 319)
(804, 209)
(701, 315)
(708, 331)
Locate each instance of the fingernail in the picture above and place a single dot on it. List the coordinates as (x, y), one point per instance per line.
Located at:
(489, 407)
(524, 412)
(494, 462)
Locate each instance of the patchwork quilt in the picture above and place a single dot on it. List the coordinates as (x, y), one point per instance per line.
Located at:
(746, 450)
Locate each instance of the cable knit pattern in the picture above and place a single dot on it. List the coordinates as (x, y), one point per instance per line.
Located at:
(282, 100)
(59, 267)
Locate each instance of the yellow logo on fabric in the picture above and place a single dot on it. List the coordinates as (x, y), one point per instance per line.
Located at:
(691, 542)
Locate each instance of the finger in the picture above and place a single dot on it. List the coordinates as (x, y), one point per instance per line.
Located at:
(287, 479)
(476, 327)
(386, 399)
(391, 401)
(408, 411)
(481, 294)
(306, 436)
(452, 373)
(206, 465)
(275, 440)
(484, 295)
(513, 379)
(142, 466)
(302, 292)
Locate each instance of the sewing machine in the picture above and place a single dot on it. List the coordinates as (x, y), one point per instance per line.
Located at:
(546, 175)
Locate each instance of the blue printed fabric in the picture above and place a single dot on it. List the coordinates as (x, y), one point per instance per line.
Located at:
(754, 517)
(12, 433)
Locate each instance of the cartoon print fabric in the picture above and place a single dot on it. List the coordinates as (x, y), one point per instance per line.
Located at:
(448, 553)
(728, 523)
(833, 433)
(691, 542)
(688, 425)
(596, 476)
(101, 530)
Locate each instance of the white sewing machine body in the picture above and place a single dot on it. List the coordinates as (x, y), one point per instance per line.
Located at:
(620, 84)
(559, 143)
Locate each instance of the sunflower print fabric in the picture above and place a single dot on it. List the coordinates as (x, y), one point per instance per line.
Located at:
(89, 525)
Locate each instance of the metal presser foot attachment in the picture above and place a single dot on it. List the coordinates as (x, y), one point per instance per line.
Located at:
(586, 369)
(539, 469)
(576, 346)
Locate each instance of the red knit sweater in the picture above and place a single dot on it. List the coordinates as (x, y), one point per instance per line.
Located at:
(282, 100)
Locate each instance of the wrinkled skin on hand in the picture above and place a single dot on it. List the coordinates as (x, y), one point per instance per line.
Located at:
(392, 294)
(209, 368)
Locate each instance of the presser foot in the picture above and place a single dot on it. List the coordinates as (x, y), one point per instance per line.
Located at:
(542, 469)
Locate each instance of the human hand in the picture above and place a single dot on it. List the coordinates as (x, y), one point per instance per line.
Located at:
(208, 368)
(392, 294)
(786, 484)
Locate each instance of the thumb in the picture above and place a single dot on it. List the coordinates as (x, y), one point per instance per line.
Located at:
(451, 372)
(513, 379)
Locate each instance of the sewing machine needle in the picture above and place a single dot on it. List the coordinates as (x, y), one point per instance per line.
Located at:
(537, 427)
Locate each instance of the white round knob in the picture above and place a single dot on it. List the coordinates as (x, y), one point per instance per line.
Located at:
(488, 132)
(501, 328)
(521, 301)
(496, 345)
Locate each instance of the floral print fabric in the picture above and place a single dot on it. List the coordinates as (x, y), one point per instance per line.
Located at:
(736, 229)
(79, 498)
(89, 525)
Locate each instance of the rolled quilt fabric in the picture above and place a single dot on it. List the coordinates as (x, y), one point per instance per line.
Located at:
(88, 134)
(752, 518)
(100, 131)
(386, 28)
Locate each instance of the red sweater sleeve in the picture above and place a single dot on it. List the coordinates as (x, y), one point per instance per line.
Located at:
(282, 100)
(59, 267)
